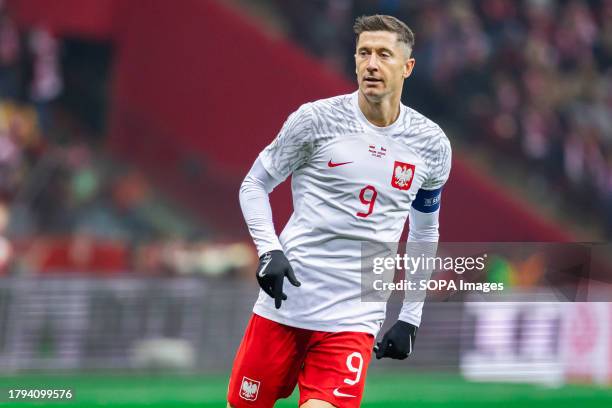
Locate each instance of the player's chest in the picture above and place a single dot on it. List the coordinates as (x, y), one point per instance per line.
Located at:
(370, 160)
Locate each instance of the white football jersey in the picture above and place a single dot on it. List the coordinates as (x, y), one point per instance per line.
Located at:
(352, 182)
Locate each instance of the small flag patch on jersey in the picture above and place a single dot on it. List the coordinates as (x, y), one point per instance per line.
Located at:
(249, 389)
(377, 152)
(403, 173)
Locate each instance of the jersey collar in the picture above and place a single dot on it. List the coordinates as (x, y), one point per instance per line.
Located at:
(402, 118)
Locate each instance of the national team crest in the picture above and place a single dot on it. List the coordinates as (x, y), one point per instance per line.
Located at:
(403, 173)
(249, 389)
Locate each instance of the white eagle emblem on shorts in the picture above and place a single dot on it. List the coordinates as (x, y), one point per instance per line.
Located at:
(249, 389)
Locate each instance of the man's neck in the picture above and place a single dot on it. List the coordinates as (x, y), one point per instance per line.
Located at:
(380, 113)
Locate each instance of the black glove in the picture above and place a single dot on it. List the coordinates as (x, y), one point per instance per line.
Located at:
(273, 267)
(398, 342)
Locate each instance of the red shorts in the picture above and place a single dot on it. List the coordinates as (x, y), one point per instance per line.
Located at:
(273, 358)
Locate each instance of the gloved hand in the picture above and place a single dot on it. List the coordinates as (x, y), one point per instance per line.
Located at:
(398, 342)
(273, 267)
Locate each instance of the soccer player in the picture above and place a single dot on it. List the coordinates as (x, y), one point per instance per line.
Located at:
(361, 164)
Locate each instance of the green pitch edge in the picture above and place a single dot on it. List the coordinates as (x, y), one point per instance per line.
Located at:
(382, 390)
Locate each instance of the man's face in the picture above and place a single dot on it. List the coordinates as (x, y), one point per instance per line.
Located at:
(382, 63)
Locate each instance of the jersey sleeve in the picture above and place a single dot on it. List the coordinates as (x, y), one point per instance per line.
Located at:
(440, 165)
(293, 145)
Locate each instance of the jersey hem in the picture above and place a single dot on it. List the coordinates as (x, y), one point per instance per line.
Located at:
(309, 326)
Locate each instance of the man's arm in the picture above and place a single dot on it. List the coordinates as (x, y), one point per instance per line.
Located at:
(290, 149)
(255, 205)
(423, 235)
(422, 240)
(398, 342)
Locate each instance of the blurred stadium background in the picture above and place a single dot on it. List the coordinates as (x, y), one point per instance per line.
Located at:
(126, 127)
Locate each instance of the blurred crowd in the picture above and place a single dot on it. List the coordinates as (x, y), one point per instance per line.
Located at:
(530, 79)
(65, 205)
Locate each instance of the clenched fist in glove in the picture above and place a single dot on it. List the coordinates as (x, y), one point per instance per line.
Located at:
(398, 342)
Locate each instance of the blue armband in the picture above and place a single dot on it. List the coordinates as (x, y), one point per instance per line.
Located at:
(427, 201)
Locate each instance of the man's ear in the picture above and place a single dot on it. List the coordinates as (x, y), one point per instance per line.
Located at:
(408, 67)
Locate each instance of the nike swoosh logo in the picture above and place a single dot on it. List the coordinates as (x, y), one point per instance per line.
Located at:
(341, 394)
(331, 164)
(261, 273)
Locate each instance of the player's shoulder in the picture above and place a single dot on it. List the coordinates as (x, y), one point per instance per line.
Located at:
(330, 117)
(423, 131)
(335, 105)
(423, 136)
(421, 125)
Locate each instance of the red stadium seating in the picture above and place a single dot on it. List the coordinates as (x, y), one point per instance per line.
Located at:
(199, 90)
